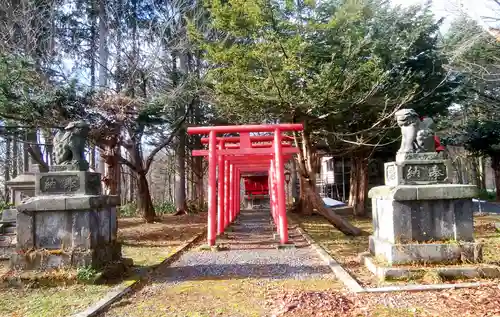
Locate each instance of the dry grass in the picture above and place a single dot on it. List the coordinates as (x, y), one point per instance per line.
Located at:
(487, 234)
(345, 249)
(146, 244)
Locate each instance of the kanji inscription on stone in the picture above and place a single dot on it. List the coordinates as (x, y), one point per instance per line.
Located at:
(425, 172)
(435, 173)
(59, 184)
(413, 172)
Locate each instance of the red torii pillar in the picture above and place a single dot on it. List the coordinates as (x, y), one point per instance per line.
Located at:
(220, 211)
(245, 149)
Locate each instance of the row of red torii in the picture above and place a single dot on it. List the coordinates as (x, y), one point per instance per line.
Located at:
(232, 156)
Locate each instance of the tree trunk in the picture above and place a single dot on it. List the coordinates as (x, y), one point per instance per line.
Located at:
(304, 206)
(340, 223)
(293, 181)
(103, 72)
(495, 164)
(15, 154)
(180, 175)
(47, 136)
(474, 171)
(353, 182)
(359, 183)
(103, 45)
(170, 195)
(144, 203)
(198, 181)
(307, 166)
(131, 189)
(93, 42)
(35, 152)
(8, 158)
(112, 171)
(482, 176)
(26, 155)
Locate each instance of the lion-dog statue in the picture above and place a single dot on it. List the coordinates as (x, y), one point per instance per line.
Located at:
(69, 145)
(417, 135)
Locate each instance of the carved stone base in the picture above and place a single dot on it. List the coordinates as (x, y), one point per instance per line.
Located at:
(424, 156)
(68, 183)
(385, 271)
(417, 172)
(452, 252)
(423, 213)
(49, 259)
(63, 230)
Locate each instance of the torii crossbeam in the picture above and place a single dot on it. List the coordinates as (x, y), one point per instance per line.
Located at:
(244, 153)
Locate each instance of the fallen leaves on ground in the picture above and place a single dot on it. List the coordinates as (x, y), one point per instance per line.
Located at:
(167, 230)
(472, 302)
(311, 304)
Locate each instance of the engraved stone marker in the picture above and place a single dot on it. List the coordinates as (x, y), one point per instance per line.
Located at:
(68, 213)
(417, 205)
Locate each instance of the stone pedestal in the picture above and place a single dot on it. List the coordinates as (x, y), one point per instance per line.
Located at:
(23, 186)
(7, 233)
(418, 217)
(67, 224)
(417, 169)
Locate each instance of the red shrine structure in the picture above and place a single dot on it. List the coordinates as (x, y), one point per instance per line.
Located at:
(230, 157)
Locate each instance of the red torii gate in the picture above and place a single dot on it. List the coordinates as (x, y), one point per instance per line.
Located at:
(245, 153)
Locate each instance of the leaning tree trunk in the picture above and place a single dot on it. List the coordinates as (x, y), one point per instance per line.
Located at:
(144, 202)
(340, 223)
(358, 183)
(307, 166)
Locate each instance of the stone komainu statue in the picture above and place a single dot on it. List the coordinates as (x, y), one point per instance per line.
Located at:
(69, 145)
(417, 135)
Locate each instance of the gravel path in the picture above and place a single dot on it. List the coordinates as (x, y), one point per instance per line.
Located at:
(249, 251)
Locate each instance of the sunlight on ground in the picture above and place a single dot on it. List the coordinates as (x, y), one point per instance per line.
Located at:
(486, 233)
(146, 256)
(50, 301)
(345, 249)
(209, 297)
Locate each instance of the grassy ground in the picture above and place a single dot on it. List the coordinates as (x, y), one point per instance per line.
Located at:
(146, 244)
(346, 249)
(224, 297)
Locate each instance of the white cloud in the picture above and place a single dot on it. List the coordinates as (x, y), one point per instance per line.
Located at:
(450, 9)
